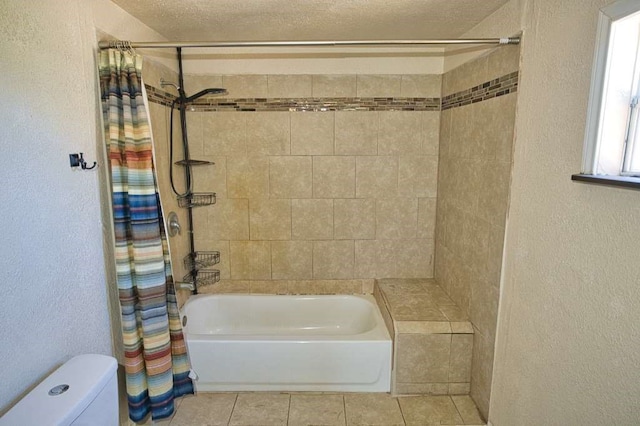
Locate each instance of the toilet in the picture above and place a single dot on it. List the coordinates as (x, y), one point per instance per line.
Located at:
(83, 391)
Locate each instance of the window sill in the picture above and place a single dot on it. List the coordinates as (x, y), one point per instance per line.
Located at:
(619, 181)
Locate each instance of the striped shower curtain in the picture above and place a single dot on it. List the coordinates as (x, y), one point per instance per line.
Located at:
(156, 362)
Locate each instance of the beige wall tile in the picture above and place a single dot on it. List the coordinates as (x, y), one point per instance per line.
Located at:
(355, 219)
(466, 76)
(356, 133)
(334, 86)
(333, 259)
(312, 133)
(269, 287)
(421, 389)
(376, 177)
(422, 358)
(396, 218)
(289, 86)
(228, 286)
(193, 83)
(247, 177)
(484, 306)
(414, 258)
(228, 219)
(423, 327)
(224, 133)
(459, 389)
(445, 133)
(211, 178)
(153, 73)
(372, 409)
(426, 218)
(460, 362)
(481, 372)
(375, 259)
(503, 126)
(493, 199)
(421, 86)
(504, 60)
(158, 119)
(379, 85)
(268, 133)
(290, 177)
(270, 219)
(246, 86)
(291, 260)
(334, 177)
(311, 219)
(417, 176)
(430, 132)
(495, 246)
(195, 134)
(250, 260)
(400, 132)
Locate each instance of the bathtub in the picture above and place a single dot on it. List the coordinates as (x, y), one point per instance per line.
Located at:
(287, 343)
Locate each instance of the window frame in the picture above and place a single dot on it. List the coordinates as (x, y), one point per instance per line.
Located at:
(607, 16)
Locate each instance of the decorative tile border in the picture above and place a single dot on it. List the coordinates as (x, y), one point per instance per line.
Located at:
(159, 96)
(500, 86)
(491, 89)
(300, 104)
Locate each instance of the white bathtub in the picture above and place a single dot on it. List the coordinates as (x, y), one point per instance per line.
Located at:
(287, 343)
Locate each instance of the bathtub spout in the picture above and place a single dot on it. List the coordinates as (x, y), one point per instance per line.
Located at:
(185, 286)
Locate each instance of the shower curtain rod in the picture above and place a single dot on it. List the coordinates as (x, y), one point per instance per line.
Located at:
(106, 44)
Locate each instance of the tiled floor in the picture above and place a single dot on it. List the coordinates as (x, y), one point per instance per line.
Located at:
(297, 409)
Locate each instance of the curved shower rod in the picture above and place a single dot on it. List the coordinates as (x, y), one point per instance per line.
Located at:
(106, 44)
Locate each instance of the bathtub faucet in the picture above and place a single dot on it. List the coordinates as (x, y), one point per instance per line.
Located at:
(185, 286)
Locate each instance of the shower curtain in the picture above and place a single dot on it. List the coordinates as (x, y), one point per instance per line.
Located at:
(156, 362)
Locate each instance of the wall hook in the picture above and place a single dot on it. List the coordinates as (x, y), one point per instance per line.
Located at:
(76, 160)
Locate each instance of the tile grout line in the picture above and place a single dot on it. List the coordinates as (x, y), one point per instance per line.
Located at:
(344, 407)
(404, 420)
(235, 402)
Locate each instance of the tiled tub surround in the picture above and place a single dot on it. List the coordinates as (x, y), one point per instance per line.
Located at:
(433, 338)
(335, 195)
(473, 192)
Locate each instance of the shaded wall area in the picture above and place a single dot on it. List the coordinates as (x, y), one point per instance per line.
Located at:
(477, 129)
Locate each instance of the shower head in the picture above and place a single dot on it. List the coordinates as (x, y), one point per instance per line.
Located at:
(214, 91)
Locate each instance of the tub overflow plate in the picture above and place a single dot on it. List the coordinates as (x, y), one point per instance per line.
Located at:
(58, 390)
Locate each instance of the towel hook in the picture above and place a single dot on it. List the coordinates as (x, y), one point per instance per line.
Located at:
(77, 160)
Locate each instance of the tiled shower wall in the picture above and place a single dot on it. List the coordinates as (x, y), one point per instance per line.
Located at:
(344, 193)
(477, 129)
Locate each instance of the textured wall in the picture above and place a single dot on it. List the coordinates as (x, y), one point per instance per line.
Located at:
(567, 349)
(53, 303)
(473, 193)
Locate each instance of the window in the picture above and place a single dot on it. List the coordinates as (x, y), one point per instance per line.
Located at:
(612, 138)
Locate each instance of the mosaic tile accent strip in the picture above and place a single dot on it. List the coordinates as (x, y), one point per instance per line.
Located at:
(491, 89)
(159, 96)
(300, 104)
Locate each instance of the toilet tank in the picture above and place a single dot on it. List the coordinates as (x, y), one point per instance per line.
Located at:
(83, 391)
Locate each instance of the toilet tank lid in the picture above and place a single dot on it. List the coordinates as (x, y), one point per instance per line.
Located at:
(85, 375)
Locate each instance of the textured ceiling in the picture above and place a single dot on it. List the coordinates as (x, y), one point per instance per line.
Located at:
(252, 20)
